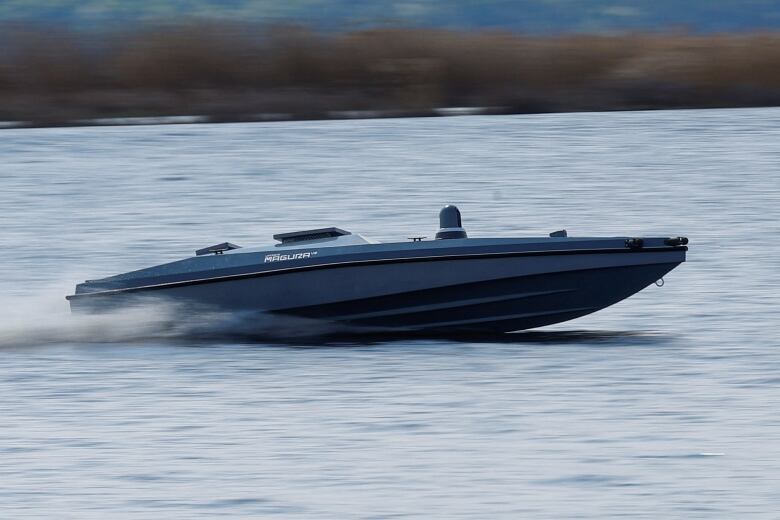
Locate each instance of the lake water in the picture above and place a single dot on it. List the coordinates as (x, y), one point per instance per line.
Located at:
(663, 406)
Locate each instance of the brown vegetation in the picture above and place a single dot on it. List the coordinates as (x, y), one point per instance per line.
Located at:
(231, 72)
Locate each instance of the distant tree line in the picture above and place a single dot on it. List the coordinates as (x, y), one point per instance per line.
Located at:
(235, 72)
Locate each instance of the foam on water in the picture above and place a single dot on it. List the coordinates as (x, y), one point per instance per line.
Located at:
(45, 318)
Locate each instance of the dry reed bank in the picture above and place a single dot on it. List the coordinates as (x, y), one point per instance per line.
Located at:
(232, 72)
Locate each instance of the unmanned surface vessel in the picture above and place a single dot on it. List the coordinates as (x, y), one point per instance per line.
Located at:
(451, 283)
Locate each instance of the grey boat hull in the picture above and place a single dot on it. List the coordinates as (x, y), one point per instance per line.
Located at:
(482, 293)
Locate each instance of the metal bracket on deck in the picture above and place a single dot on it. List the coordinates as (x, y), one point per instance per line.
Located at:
(217, 249)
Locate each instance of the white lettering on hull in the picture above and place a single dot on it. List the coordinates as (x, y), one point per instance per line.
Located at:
(281, 257)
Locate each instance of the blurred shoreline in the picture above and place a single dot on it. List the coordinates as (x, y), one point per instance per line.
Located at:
(332, 116)
(218, 72)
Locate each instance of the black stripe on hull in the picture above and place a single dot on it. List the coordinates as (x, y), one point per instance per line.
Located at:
(504, 305)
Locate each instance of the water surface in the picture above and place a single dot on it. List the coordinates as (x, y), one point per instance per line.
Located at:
(662, 406)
